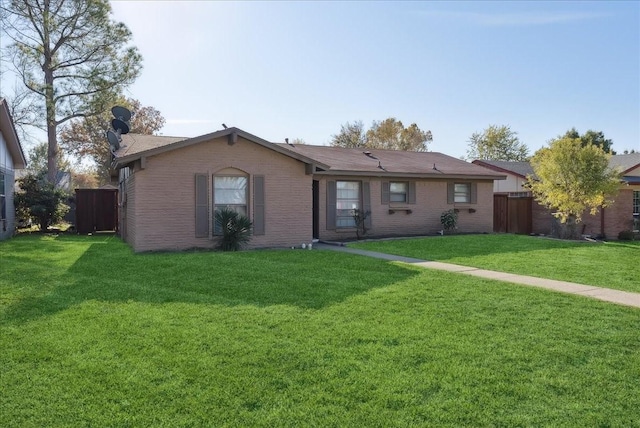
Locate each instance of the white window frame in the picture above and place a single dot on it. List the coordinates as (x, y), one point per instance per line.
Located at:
(461, 196)
(242, 208)
(345, 206)
(399, 196)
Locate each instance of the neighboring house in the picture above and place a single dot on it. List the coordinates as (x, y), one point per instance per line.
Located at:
(170, 187)
(11, 158)
(514, 207)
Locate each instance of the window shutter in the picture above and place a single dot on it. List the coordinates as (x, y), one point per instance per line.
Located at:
(473, 189)
(385, 192)
(202, 206)
(411, 193)
(366, 202)
(258, 205)
(450, 190)
(331, 205)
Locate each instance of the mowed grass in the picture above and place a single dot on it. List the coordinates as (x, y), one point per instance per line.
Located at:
(611, 264)
(93, 335)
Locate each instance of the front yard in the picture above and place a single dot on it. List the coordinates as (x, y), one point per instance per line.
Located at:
(611, 265)
(93, 335)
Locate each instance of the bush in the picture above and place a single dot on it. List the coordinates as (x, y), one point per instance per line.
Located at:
(359, 217)
(449, 219)
(626, 235)
(40, 201)
(235, 229)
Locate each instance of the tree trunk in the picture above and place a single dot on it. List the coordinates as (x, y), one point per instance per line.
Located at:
(568, 230)
(49, 99)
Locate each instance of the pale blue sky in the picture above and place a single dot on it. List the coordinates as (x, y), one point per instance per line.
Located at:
(301, 69)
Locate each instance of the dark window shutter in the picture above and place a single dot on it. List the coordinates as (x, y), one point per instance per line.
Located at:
(258, 205)
(473, 197)
(385, 192)
(366, 202)
(411, 195)
(202, 206)
(450, 190)
(331, 205)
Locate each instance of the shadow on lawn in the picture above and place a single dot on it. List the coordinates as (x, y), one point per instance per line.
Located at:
(306, 279)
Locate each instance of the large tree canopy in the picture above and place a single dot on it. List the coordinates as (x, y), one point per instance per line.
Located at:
(387, 134)
(497, 143)
(596, 138)
(72, 59)
(572, 178)
(85, 137)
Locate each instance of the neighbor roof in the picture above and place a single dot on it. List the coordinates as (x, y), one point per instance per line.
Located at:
(625, 162)
(362, 161)
(10, 136)
(521, 169)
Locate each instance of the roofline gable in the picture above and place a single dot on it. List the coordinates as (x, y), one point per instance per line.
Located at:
(8, 129)
(496, 168)
(233, 132)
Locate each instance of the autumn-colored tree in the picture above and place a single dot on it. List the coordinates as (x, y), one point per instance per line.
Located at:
(72, 59)
(389, 134)
(571, 179)
(497, 143)
(85, 138)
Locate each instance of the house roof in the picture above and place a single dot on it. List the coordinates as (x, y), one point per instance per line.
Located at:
(324, 159)
(626, 163)
(360, 161)
(137, 146)
(10, 136)
(521, 169)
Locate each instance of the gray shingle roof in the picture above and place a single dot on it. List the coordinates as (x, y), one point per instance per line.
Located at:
(392, 162)
(519, 168)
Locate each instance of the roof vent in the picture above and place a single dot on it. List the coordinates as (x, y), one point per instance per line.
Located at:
(369, 154)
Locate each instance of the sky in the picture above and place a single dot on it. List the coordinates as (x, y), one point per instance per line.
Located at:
(302, 69)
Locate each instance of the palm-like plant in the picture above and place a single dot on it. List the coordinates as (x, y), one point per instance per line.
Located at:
(235, 229)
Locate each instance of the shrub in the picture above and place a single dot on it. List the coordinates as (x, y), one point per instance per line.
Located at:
(235, 229)
(449, 219)
(626, 235)
(359, 216)
(40, 201)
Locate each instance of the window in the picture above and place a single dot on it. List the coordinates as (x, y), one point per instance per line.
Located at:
(461, 193)
(347, 200)
(230, 192)
(398, 191)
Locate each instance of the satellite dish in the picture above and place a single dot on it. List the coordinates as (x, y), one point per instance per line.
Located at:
(121, 113)
(120, 125)
(114, 140)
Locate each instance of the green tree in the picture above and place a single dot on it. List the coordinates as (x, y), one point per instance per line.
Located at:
(40, 200)
(351, 135)
(497, 143)
(572, 178)
(85, 137)
(37, 156)
(72, 59)
(387, 134)
(596, 138)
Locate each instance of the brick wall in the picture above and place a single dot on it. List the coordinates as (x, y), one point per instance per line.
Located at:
(163, 214)
(424, 219)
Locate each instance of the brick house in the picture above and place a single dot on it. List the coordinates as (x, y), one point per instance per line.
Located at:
(170, 187)
(11, 158)
(621, 215)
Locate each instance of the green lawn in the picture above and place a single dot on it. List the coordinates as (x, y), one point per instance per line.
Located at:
(93, 335)
(612, 264)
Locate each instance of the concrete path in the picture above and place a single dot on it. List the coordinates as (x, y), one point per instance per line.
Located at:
(615, 296)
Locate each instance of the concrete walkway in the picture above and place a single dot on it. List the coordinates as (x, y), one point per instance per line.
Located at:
(608, 295)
